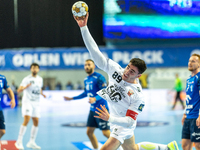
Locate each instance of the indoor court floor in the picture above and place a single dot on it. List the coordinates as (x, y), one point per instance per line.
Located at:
(62, 124)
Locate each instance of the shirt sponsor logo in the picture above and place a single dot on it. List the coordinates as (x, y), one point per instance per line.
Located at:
(130, 92)
(189, 106)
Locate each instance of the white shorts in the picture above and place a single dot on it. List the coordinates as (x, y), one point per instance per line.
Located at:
(30, 109)
(121, 133)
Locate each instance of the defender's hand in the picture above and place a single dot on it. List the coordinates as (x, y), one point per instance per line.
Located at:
(67, 98)
(92, 100)
(12, 103)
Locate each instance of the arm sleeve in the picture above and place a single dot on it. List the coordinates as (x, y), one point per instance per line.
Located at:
(99, 59)
(82, 95)
(122, 121)
(6, 84)
(98, 97)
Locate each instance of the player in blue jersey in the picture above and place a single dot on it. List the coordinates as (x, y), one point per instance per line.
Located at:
(93, 83)
(4, 85)
(191, 116)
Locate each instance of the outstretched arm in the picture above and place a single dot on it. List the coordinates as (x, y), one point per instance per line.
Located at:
(126, 121)
(91, 45)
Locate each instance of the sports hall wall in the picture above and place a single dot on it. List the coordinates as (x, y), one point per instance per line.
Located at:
(165, 40)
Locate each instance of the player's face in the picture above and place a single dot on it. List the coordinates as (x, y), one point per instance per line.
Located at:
(193, 63)
(34, 70)
(130, 73)
(89, 67)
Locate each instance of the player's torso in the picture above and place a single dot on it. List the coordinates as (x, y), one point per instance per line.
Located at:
(91, 85)
(2, 82)
(192, 96)
(119, 93)
(32, 93)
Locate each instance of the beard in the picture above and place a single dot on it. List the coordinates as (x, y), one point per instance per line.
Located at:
(89, 71)
(34, 73)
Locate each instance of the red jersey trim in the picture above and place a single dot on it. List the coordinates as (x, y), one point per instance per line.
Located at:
(131, 114)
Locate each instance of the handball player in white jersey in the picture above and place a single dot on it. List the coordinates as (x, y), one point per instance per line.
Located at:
(125, 96)
(32, 88)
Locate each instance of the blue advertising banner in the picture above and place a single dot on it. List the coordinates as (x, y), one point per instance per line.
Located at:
(74, 58)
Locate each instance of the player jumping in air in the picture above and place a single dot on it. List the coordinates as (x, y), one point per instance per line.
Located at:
(125, 96)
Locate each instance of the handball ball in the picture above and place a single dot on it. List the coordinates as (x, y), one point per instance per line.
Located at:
(79, 9)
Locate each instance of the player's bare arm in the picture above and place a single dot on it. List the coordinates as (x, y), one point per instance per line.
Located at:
(11, 96)
(68, 98)
(42, 93)
(21, 88)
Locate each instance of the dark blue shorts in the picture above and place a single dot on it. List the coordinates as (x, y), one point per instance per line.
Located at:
(96, 122)
(190, 130)
(2, 121)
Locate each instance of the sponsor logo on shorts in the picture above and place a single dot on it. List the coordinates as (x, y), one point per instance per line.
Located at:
(102, 124)
(27, 110)
(195, 134)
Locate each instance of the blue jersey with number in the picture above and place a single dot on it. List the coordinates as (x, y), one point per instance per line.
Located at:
(192, 96)
(93, 83)
(3, 85)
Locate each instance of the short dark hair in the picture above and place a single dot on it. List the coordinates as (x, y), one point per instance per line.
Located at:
(34, 64)
(90, 60)
(139, 63)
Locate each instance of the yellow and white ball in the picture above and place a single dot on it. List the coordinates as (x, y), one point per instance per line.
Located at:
(79, 9)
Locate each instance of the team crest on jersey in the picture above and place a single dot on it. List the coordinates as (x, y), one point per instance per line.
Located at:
(141, 107)
(130, 92)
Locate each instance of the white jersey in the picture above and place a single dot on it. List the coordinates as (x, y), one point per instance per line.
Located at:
(32, 93)
(121, 95)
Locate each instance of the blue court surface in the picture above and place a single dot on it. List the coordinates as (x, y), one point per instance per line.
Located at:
(62, 124)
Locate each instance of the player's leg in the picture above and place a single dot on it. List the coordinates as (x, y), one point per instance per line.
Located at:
(34, 129)
(26, 114)
(197, 145)
(106, 133)
(111, 144)
(22, 131)
(175, 101)
(194, 134)
(91, 126)
(187, 134)
(92, 137)
(186, 144)
(2, 124)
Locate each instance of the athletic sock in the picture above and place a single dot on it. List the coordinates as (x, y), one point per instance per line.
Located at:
(34, 131)
(22, 131)
(151, 146)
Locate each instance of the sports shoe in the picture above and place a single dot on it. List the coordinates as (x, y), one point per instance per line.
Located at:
(32, 145)
(172, 146)
(19, 145)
